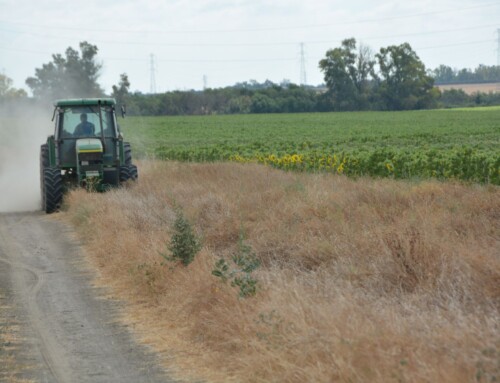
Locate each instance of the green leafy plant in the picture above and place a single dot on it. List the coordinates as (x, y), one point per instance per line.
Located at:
(184, 244)
(92, 184)
(245, 262)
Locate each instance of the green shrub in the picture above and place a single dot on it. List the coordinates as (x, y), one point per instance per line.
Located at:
(246, 262)
(184, 244)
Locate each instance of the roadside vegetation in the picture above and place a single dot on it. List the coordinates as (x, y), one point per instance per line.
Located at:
(357, 280)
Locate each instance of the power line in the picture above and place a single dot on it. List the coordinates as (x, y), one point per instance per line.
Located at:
(303, 77)
(239, 44)
(454, 44)
(253, 60)
(263, 60)
(152, 70)
(309, 26)
(498, 48)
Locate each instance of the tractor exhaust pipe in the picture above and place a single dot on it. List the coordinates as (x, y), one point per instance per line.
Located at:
(100, 123)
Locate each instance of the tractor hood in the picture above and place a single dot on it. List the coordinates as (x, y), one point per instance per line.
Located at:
(89, 145)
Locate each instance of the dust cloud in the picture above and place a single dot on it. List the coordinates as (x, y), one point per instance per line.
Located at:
(22, 130)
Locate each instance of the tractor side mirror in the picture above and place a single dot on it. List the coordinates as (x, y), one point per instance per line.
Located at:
(119, 136)
(123, 110)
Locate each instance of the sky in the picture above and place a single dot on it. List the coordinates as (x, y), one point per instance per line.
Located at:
(166, 45)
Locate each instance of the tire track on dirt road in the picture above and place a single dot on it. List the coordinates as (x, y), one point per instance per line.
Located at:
(76, 336)
(49, 349)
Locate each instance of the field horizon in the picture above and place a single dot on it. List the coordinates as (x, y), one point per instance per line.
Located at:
(472, 88)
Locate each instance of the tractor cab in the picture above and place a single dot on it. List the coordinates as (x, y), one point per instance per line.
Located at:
(89, 119)
(86, 149)
(74, 121)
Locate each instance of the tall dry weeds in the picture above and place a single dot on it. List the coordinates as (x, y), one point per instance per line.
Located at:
(361, 280)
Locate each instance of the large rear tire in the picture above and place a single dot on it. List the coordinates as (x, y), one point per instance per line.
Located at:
(52, 189)
(127, 151)
(44, 163)
(44, 156)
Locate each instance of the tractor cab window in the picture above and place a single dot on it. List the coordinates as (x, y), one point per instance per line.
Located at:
(84, 122)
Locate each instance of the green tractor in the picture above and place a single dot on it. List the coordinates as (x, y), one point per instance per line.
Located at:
(87, 150)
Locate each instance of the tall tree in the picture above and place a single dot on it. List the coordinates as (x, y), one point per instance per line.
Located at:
(74, 75)
(404, 83)
(121, 91)
(347, 74)
(443, 74)
(7, 92)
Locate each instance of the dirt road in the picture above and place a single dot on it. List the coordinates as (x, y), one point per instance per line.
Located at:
(54, 326)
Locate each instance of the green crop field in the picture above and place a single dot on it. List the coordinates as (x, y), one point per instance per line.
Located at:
(461, 144)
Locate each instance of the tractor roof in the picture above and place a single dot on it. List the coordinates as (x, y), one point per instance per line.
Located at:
(84, 102)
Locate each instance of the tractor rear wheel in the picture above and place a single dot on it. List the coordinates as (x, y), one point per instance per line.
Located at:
(127, 150)
(44, 156)
(52, 189)
(44, 163)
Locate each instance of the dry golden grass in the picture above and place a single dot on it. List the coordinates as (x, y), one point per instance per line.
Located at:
(13, 352)
(362, 280)
(491, 87)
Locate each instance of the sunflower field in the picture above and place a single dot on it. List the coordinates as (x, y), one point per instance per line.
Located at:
(456, 144)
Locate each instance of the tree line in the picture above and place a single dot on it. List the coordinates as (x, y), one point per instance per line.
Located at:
(482, 74)
(355, 78)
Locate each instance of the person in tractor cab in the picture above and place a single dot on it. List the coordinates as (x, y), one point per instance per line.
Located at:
(84, 128)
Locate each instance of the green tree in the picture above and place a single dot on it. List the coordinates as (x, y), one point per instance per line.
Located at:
(7, 92)
(404, 83)
(239, 104)
(72, 75)
(483, 73)
(121, 91)
(443, 74)
(184, 244)
(347, 73)
(454, 98)
(262, 103)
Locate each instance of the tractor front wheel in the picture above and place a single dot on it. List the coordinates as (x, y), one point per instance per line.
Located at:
(128, 172)
(52, 189)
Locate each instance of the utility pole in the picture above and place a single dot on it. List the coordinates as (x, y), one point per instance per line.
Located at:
(204, 81)
(498, 58)
(303, 77)
(498, 48)
(152, 69)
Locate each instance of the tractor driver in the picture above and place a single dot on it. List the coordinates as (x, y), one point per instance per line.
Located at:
(84, 128)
